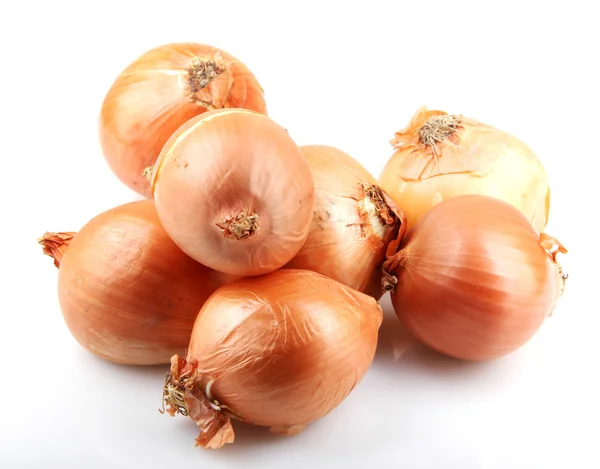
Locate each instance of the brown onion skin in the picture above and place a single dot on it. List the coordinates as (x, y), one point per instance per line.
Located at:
(286, 348)
(473, 280)
(152, 98)
(225, 163)
(128, 294)
(347, 241)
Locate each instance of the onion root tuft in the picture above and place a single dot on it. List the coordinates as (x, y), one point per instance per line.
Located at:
(203, 72)
(242, 226)
(437, 129)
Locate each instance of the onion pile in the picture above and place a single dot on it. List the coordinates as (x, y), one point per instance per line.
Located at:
(255, 266)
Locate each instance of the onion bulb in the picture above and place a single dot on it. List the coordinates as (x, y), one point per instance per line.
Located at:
(473, 279)
(234, 192)
(128, 294)
(353, 222)
(279, 350)
(161, 90)
(439, 156)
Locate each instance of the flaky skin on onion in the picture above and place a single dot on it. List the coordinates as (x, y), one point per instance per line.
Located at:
(353, 222)
(280, 350)
(439, 156)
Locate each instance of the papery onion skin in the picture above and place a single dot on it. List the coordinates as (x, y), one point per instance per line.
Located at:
(56, 244)
(353, 222)
(439, 156)
(474, 279)
(280, 350)
(234, 191)
(160, 91)
(128, 294)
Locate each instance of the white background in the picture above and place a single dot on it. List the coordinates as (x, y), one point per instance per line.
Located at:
(335, 73)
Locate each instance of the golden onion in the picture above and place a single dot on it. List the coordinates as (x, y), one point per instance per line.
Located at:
(439, 156)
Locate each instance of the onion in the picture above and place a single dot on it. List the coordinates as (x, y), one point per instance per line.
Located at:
(439, 156)
(234, 192)
(473, 279)
(280, 350)
(160, 91)
(128, 294)
(353, 222)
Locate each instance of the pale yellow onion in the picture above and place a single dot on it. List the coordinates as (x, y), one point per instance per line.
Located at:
(439, 156)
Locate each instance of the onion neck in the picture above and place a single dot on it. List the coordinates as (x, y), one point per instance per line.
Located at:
(377, 213)
(381, 213)
(56, 244)
(241, 226)
(393, 262)
(183, 394)
(388, 280)
(389, 223)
